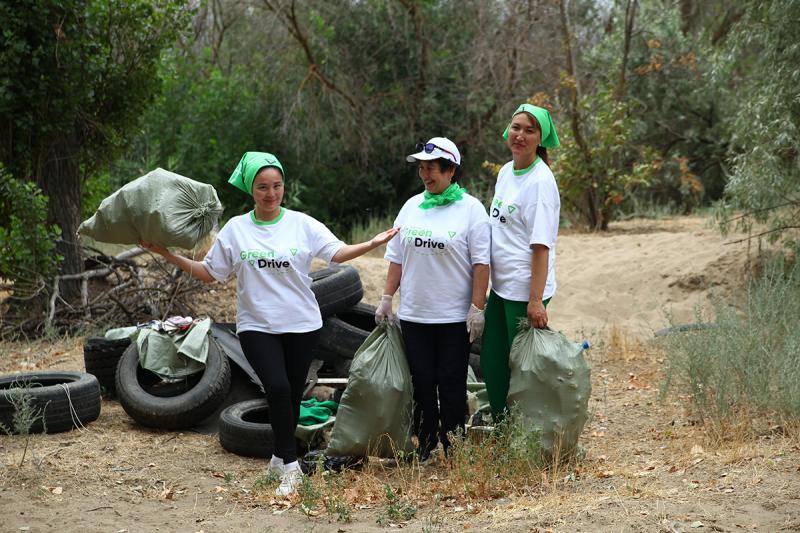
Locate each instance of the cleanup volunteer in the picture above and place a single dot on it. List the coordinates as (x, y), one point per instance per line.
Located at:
(524, 218)
(440, 262)
(270, 249)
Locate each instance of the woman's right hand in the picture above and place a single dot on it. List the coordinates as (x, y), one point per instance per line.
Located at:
(384, 310)
(155, 248)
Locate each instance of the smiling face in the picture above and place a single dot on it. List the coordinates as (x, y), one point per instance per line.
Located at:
(524, 135)
(268, 191)
(432, 176)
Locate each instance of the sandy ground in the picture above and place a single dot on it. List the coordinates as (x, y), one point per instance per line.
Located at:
(648, 467)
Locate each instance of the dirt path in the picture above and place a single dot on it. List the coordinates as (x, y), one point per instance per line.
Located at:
(647, 466)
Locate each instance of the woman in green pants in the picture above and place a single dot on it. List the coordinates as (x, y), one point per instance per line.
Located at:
(524, 219)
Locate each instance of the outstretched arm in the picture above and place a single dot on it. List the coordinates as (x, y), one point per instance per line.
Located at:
(196, 269)
(351, 251)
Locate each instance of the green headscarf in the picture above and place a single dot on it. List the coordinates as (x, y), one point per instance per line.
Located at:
(549, 136)
(251, 162)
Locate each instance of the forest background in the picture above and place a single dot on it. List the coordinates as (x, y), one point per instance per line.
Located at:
(661, 106)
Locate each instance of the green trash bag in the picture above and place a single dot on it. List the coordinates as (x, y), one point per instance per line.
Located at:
(550, 387)
(374, 416)
(160, 207)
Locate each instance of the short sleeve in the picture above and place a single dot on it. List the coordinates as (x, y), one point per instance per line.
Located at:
(543, 212)
(322, 242)
(219, 261)
(394, 248)
(480, 236)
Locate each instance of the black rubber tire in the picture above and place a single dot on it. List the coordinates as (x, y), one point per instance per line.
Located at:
(244, 429)
(336, 289)
(341, 338)
(173, 412)
(361, 315)
(153, 384)
(100, 358)
(61, 409)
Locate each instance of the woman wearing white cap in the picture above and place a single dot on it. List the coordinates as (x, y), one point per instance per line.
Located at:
(524, 217)
(269, 250)
(440, 263)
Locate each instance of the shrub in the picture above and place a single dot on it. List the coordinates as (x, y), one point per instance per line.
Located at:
(27, 242)
(749, 362)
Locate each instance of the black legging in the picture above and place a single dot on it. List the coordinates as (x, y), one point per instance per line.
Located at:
(281, 363)
(438, 356)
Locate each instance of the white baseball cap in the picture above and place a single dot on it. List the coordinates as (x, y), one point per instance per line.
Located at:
(436, 148)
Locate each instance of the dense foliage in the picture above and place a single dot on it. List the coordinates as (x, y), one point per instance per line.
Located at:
(27, 242)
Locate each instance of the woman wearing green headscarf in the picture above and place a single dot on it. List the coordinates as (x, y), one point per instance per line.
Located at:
(524, 218)
(269, 250)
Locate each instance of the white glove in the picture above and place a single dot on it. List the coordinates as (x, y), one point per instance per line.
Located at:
(475, 322)
(384, 310)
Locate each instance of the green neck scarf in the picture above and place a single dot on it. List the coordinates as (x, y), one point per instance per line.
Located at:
(451, 194)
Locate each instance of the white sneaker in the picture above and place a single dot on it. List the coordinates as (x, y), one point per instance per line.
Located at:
(290, 480)
(275, 467)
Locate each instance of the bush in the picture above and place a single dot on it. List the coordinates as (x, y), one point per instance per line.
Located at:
(27, 242)
(749, 364)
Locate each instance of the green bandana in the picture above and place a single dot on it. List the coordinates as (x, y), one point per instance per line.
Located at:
(549, 136)
(451, 194)
(251, 162)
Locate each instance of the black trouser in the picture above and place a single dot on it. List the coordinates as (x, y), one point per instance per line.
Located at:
(281, 363)
(438, 357)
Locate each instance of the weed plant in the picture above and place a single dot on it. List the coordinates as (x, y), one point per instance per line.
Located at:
(26, 413)
(748, 363)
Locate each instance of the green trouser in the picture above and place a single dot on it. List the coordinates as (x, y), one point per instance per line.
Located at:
(502, 323)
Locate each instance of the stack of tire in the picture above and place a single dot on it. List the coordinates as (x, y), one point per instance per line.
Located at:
(191, 401)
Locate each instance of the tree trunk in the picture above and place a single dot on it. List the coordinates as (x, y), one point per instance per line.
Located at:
(58, 175)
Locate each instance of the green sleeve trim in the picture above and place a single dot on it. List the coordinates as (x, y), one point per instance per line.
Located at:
(266, 222)
(525, 170)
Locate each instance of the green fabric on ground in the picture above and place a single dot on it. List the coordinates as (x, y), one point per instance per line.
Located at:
(502, 324)
(169, 356)
(313, 411)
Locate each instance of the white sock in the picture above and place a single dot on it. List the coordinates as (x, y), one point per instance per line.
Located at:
(275, 461)
(294, 465)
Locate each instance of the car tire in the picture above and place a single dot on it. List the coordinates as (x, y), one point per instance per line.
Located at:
(181, 410)
(64, 399)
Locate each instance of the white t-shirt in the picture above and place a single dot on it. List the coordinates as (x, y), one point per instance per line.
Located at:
(436, 248)
(271, 262)
(524, 212)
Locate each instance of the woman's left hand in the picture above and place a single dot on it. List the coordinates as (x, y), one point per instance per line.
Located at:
(537, 315)
(383, 237)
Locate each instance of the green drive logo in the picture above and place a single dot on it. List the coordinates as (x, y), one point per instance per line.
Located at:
(422, 238)
(264, 258)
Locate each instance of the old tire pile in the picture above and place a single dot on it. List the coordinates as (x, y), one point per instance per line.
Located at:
(59, 400)
(188, 402)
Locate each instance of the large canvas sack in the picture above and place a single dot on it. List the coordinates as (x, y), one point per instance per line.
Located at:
(374, 415)
(550, 387)
(160, 207)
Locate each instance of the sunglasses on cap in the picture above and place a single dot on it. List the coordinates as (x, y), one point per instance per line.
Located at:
(428, 148)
